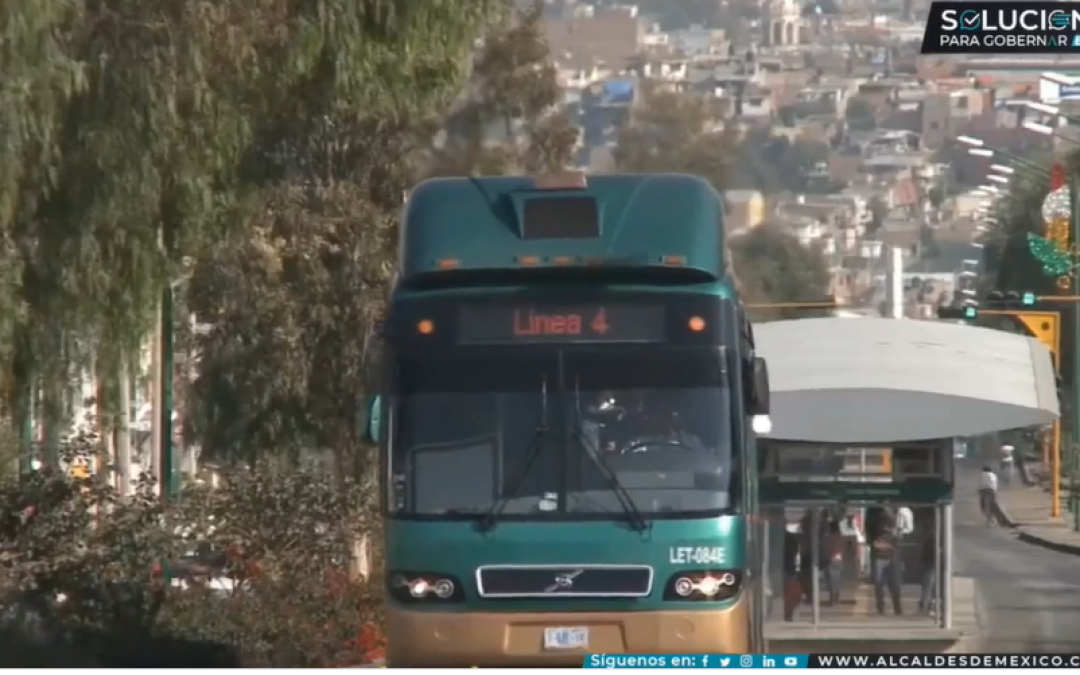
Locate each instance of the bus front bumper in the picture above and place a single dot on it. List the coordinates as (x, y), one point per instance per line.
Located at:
(464, 639)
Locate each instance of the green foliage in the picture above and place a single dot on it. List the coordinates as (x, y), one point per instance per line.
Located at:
(772, 164)
(506, 123)
(125, 583)
(936, 196)
(879, 211)
(773, 267)
(293, 302)
(675, 132)
(292, 306)
(1007, 255)
(860, 115)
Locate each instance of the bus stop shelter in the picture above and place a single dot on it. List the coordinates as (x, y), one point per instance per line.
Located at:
(863, 416)
(869, 380)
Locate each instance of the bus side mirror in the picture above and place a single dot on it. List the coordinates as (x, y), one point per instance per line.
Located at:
(759, 394)
(374, 415)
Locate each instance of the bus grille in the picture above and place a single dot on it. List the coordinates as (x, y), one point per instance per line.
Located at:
(564, 581)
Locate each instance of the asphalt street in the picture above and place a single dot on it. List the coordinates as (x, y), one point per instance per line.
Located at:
(1028, 597)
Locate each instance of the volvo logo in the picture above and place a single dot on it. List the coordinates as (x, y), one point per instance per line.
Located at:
(564, 582)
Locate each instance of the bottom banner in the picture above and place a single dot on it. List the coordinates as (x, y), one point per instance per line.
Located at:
(838, 661)
(696, 661)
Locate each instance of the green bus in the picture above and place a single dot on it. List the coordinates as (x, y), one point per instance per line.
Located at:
(567, 455)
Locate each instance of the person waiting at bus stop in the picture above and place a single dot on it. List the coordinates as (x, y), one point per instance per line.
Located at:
(832, 551)
(928, 574)
(889, 528)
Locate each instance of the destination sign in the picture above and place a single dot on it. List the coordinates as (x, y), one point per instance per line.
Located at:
(537, 324)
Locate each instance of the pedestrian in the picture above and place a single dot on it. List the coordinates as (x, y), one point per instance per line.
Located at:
(792, 585)
(832, 547)
(807, 565)
(988, 485)
(885, 564)
(928, 575)
(1008, 464)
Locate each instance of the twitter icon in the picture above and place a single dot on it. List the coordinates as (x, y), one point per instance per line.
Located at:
(724, 662)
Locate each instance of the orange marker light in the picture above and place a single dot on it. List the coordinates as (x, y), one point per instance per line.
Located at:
(528, 260)
(447, 264)
(674, 260)
(697, 324)
(562, 260)
(425, 327)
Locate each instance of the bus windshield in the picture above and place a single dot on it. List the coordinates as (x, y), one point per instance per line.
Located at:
(543, 430)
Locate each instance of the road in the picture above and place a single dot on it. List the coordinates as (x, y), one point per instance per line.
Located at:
(1028, 597)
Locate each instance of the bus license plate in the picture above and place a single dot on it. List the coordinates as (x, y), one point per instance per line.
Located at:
(566, 638)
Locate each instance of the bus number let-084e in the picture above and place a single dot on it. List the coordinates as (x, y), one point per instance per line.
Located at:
(587, 323)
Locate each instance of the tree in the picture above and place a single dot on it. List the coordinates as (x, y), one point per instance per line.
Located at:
(146, 137)
(860, 115)
(771, 164)
(508, 120)
(773, 267)
(936, 196)
(674, 132)
(879, 211)
(294, 301)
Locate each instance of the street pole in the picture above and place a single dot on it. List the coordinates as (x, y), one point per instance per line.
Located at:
(169, 488)
(167, 461)
(157, 469)
(123, 428)
(1074, 436)
(26, 424)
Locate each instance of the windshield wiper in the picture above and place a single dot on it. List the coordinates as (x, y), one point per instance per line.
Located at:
(633, 515)
(532, 451)
(637, 521)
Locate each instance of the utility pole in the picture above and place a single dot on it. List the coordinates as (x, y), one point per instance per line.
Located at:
(894, 282)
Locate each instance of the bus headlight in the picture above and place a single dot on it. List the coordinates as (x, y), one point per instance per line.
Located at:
(413, 587)
(707, 585)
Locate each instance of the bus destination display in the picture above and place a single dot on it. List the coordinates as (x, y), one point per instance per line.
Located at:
(535, 324)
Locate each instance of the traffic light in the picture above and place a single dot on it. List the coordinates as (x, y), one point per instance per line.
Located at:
(1010, 300)
(967, 311)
